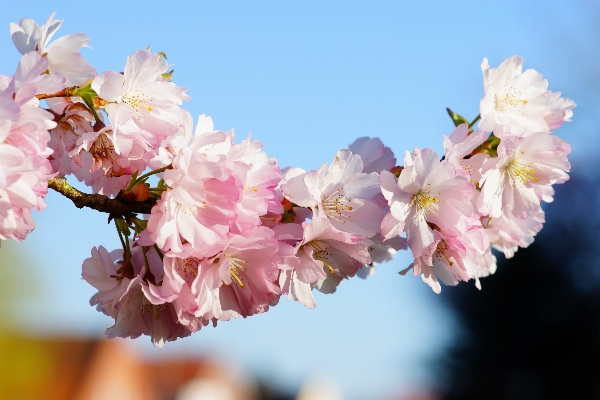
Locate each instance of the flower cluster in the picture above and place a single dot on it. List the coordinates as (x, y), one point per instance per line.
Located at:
(24, 165)
(226, 232)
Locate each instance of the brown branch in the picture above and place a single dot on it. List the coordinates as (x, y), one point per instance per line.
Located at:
(66, 92)
(99, 202)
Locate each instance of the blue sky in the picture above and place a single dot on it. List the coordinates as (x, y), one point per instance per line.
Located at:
(307, 78)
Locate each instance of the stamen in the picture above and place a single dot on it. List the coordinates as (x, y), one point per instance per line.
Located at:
(425, 203)
(509, 100)
(337, 206)
(321, 253)
(103, 153)
(440, 251)
(137, 101)
(187, 268)
(187, 211)
(236, 268)
(155, 310)
(102, 149)
(520, 172)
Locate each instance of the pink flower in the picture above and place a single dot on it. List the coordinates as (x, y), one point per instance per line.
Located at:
(428, 194)
(375, 156)
(259, 176)
(24, 166)
(508, 232)
(326, 257)
(381, 251)
(142, 96)
(460, 145)
(324, 251)
(173, 144)
(137, 315)
(199, 205)
(106, 159)
(561, 110)
(63, 54)
(242, 277)
(75, 122)
(519, 103)
(129, 295)
(520, 176)
(457, 256)
(341, 193)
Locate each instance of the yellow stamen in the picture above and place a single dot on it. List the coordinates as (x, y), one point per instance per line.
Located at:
(509, 100)
(520, 172)
(236, 268)
(321, 253)
(440, 251)
(425, 203)
(237, 278)
(337, 206)
(187, 268)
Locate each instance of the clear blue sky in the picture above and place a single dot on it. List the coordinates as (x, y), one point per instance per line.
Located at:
(307, 78)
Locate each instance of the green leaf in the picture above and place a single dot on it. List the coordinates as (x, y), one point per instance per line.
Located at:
(88, 95)
(122, 226)
(490, 146)
(168, 76)
(457, 118)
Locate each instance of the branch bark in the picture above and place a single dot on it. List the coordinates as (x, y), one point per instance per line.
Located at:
(99, 202)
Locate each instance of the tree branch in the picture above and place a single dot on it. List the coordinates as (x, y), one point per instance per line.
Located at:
(99, 202)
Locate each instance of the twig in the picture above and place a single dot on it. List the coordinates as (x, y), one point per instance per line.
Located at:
(99, 202)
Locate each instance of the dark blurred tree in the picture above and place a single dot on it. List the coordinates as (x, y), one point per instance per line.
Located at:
(533, 331)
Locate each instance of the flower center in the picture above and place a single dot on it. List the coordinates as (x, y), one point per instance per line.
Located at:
(510, 99)
(187, 268)
(137, 101)
(156, 310)
(103, 153)
(337, 206)
(440, 252)
(183, 211)
(321, 252)
(425, 203)
(520, 172)
(102, 148)
(236, 268)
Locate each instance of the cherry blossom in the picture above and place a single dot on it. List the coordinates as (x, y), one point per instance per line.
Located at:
(458, 150)
(248, 271)
(427, 193)
(376, 157)
(220, 231)
(341, 193)
(24, 145)
(199, 205)
(142, 96)
(63, 54)
(508, 232)
(518, 103)
(516, 180)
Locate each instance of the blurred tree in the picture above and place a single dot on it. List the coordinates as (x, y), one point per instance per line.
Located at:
(533, 331)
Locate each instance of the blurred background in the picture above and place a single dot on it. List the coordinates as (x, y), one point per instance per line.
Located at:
(307, 78)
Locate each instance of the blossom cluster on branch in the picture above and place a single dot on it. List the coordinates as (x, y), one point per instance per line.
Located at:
(225, 232)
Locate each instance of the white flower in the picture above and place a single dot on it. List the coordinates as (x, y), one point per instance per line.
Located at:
(63, 54)
(519, 103)
(520, 176)
(340, 192)
(141, 95)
